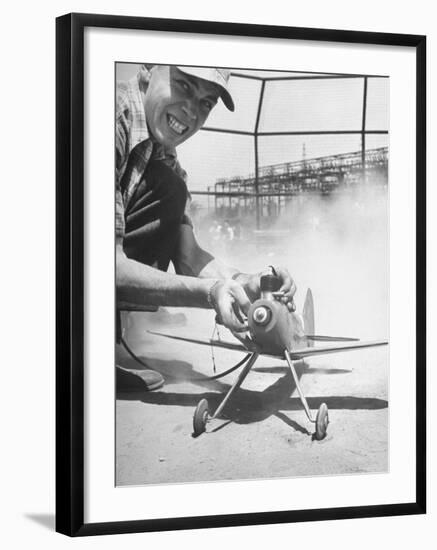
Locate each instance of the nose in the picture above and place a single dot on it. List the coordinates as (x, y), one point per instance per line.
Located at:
(190, 110)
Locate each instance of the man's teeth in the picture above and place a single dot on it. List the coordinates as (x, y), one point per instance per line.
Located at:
(176, 125)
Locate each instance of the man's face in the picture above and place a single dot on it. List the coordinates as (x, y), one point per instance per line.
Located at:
(177, 105)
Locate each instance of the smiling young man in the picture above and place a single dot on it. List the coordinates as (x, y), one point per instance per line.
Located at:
(159, 109)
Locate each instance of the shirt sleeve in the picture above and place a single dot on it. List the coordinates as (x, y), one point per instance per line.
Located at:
(119, 217)
(121, 146)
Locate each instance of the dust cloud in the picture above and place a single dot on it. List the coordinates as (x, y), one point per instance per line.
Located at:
(336, 244)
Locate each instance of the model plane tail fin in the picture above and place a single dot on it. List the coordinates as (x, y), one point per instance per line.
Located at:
(308, 316)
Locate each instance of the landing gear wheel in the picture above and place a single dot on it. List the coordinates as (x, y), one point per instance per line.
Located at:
(322, 421)
(200, 417)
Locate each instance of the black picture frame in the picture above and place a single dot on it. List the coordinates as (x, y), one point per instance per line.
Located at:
(70, 273)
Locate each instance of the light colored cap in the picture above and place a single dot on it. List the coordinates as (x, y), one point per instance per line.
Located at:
(216, 76)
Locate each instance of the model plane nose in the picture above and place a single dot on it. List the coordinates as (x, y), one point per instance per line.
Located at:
(262, 315)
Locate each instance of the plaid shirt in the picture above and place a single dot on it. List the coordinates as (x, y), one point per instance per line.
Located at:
(134, 148)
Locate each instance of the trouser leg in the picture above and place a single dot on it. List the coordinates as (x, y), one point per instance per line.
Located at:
(153, 218)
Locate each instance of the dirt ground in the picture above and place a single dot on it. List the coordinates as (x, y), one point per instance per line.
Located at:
(264, 432)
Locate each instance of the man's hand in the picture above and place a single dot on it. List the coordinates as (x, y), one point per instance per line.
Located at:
(231, 304)
(251, 284)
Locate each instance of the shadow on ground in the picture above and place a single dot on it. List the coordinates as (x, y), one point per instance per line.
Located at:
(174, 372)
(246, 406)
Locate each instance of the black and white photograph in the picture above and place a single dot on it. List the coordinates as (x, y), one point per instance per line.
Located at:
(251, 235)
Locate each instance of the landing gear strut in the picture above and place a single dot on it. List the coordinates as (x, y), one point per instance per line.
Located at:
(201, 414)
(321, 421)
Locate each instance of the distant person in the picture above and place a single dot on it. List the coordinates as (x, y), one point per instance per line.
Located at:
(215, 232)
(156, 111)
(228, 231)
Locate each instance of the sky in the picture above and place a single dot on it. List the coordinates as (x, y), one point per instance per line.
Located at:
(290, 106)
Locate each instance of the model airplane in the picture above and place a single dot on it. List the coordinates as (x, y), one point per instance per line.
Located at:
(274, 331)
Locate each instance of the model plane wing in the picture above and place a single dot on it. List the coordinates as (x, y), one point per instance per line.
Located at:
(308, 352)
(203, 342)
(320, 338)
(295, 355)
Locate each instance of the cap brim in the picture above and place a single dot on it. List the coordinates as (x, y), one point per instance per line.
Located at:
(203, 73)
(227, 99)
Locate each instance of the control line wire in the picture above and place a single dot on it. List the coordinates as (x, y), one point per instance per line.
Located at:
(197, 379)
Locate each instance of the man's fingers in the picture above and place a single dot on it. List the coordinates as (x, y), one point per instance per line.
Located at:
(290, 294)
(230, 319)
(239, 303)
(288, 285)
(241, 298)
(288, 289)
(232, 304)
(237, 312)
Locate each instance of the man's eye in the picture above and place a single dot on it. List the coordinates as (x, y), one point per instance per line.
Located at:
(184, 85)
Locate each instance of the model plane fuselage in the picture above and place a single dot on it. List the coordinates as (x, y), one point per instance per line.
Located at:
(273, 328)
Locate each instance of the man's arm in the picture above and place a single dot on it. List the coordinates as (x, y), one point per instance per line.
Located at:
(140, 284)
(193, 260)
